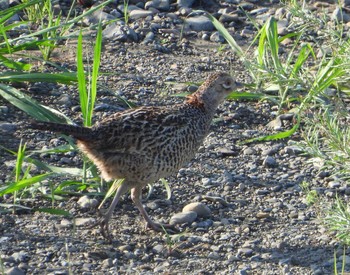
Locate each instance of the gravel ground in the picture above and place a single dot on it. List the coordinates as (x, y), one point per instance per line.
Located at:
(253, 216)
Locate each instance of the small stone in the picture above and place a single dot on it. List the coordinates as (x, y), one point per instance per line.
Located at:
(200, 208)
(181, 218)
(249, 151)
(339, 16)
(270, 162)
(158, 248)
(293, 150)
(334, 184)
(282, 26)
(21, 256)
(262, 192)
(206, 181)
(8, 127)
(107, 263)
(4, 4)
(245, 251)
(66, 223)
(65, 99)
(185, 3)
(228, 18)
(232, 258)
(162, 5)
(199, 23)
(217, 38)
(98, 16)
(84, 221)
(14, 271)
(87, 202)
(262, 215)
(214, 256)
(137, 14)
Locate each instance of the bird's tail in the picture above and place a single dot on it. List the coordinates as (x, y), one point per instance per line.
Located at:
(78, 132)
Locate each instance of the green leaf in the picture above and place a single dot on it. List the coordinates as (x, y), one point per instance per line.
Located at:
(95, 72)
(57, 170)
(31, 106)
(277, 136)
(14, 64)
(245, 95)
(65, 78)
(116, 184)
(83, 96)
(228, 37)
(16, 186)
(167, 188)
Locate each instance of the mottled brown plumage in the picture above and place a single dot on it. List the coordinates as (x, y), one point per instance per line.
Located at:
(145, 144)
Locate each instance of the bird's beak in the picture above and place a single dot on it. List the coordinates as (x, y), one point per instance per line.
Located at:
(239, 84)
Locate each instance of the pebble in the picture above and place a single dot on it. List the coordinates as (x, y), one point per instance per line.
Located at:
(137, 14)
(21, 256)
(158, 248)
(199, 23)
(182, 218)
(217, 37)
(87, 202)
(270, 162)
(248, 151)
(247, 252)
(162, 5)
(340, 16)
(201, 209)
(214, 256)
(107, 263)
(8, 127)
(185, 3)
(14, 271)
(84, 221)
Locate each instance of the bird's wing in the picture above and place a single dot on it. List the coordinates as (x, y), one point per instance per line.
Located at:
(133, 130)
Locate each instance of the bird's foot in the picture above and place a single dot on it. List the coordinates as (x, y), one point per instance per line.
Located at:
(160, 227)
(103, 222)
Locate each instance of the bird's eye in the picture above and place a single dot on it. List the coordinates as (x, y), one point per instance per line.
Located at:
(227, 84)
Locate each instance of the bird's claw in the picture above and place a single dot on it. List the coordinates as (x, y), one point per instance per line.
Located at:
(102, 221)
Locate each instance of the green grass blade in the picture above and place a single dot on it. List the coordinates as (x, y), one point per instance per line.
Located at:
(83, 97)
(30, 106)
(64, 78)
(95, 73)
(261, 46)
(58, 149)
(19, 161)
(14, 65)
(303, 56)
(57, 170)
(167, 188)
(280, 135)
(15, 9)
(16, 186)
(75, 20)
(228, 37)
(273, 42)
(247, 96)
(116, 184)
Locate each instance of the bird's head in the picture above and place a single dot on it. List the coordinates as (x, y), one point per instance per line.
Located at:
(214, 90)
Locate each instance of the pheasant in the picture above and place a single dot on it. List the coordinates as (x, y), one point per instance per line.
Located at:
(144, 144)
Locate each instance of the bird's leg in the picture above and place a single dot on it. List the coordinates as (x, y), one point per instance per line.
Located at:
(104, 219)
(135, 196)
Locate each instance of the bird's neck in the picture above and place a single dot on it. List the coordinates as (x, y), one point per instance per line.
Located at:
(203, 102)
